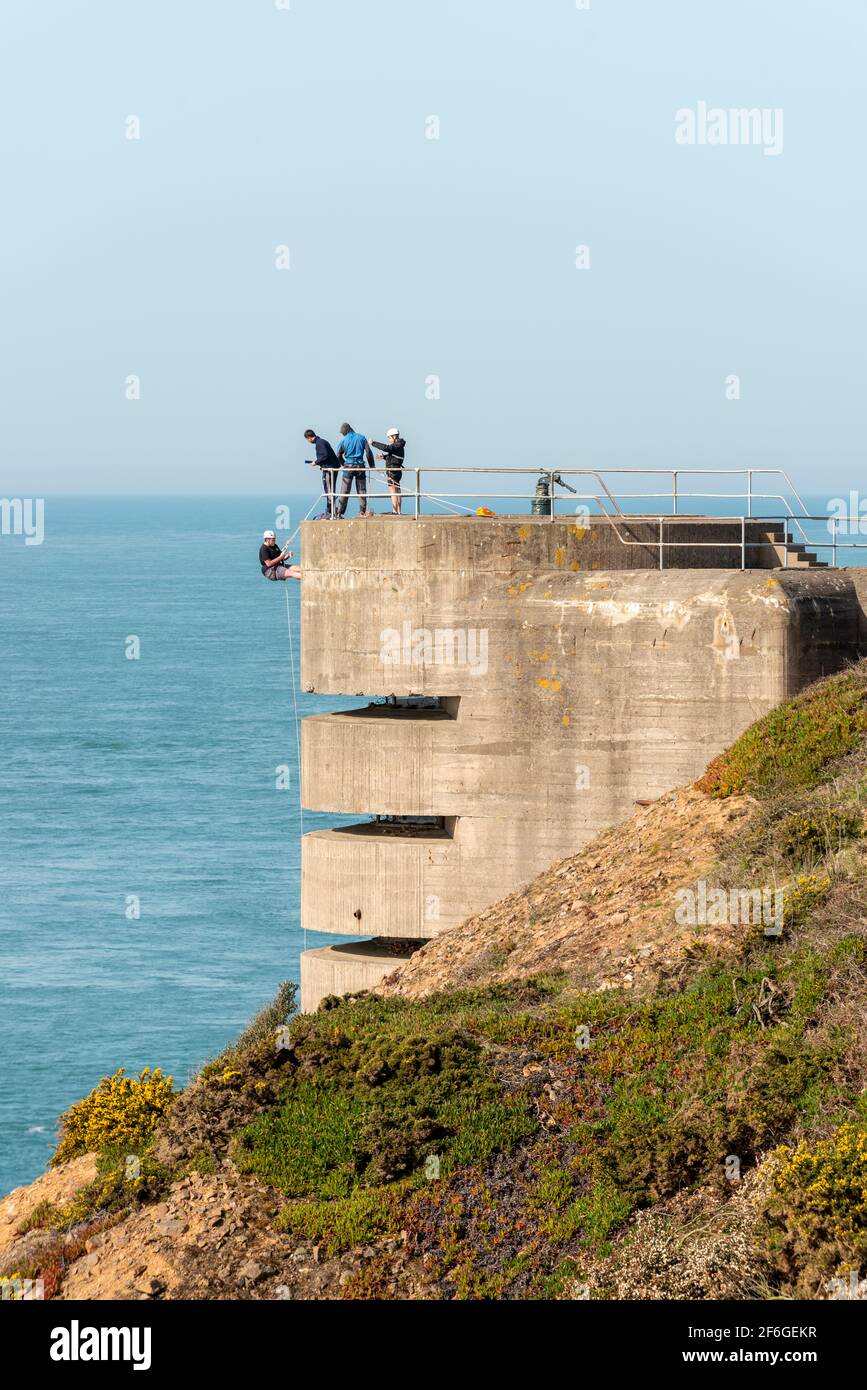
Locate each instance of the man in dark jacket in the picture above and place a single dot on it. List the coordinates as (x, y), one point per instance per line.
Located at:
(330, 466)
(393, 455)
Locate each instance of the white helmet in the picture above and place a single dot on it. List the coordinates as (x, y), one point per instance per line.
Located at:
(269, 536)
(393, 434)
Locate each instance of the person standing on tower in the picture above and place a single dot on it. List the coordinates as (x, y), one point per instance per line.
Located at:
(352, 452)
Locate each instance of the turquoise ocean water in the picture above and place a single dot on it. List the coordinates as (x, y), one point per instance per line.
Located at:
(152, 778)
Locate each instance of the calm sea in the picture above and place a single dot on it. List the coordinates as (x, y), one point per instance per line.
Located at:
(152, 779)
(141, 786)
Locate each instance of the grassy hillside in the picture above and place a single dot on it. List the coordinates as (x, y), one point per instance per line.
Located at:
(696, 1132)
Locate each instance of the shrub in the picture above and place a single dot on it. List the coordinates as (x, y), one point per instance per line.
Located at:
(827, 1181)
(815, 1220)
(801, 897)
(117, 1186)
(261, 1028)
(377, 1106)
(121, 1112)
(816, 832)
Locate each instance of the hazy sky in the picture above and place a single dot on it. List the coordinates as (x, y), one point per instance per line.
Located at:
(410, 258)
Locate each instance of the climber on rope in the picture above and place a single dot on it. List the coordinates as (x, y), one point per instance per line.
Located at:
(273, 559)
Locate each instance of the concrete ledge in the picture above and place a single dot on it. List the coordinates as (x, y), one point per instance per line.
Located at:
(383, 760)
(417, 887)
(361, 881)
(340, 970)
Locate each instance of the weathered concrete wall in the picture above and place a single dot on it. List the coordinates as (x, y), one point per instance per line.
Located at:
(573, 692)
(859, 581)
(344, 969)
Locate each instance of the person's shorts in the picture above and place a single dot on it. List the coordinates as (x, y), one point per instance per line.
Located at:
(394, 476)
(278, 573)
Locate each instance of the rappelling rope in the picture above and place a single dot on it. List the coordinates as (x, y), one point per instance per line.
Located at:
(305, 518)
(444, 502)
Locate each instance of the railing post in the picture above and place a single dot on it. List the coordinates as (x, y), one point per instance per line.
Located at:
(551, 487)
(749, 492)
(417, 492)
(661, 550)
(834, 541)
(743, 543)
(674, 490)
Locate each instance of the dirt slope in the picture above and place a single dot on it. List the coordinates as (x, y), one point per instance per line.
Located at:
(607, 914)
(58, 1186)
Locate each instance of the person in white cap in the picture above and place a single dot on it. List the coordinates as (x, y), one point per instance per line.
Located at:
(393, 455)
(271, 559)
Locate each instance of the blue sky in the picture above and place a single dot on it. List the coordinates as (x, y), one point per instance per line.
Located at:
(412, 258)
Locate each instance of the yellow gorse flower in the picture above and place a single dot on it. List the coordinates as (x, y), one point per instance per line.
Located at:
(800, 897)
(828, 1179)
(122, 1111)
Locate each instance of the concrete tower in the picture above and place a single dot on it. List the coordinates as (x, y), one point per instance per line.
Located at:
(540, 678)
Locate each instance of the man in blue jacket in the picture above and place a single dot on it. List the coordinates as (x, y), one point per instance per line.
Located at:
(353, 452)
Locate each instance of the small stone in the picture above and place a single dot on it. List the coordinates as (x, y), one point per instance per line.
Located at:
(250, 1273)
(172, 1227)
(150, 1288)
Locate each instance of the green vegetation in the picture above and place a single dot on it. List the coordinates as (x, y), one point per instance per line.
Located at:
(376, 1100)
(545, 1145)
(261, 1028)
(519, 1140)
(792, 746)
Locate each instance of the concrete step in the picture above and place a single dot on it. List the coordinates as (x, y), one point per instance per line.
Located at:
(799, 557)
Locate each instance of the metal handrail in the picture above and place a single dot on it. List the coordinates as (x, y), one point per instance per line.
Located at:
(605, 497)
